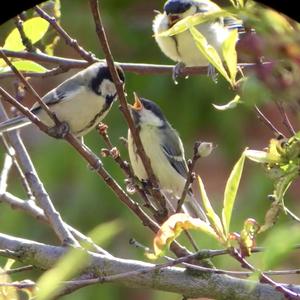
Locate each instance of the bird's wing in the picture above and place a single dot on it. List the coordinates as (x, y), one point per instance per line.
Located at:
(64, 92)
(173, 149)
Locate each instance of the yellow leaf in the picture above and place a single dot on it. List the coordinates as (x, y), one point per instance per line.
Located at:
(34, 29)
(173, 227)
(209, 52)
(229, 53)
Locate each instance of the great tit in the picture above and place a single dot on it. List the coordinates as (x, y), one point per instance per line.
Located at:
(164, 148)
(82, 101)
(181, 47)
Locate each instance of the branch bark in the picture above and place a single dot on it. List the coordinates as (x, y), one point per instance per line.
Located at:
(171, 279)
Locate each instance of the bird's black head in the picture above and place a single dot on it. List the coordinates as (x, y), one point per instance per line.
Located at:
(175, 7)
(103, 84)
(146, 112)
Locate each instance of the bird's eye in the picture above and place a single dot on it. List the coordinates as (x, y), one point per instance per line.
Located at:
(146, 105)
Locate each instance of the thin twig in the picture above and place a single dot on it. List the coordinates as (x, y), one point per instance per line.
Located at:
(36, 185)
(25, 40)
(289, 294)
(286, 121)
(28, 86)
(17, 270)
(136, 68)
(161, 201)
(8, 162)
(29, 207)
(189, 178)
(88, 56)
(24, 284)
(266, 121)
(124, 165)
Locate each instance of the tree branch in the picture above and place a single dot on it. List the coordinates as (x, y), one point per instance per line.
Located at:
(171, 279)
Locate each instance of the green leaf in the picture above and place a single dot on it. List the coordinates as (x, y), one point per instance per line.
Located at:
(230, 105)
(34, 29)
(25, 65)
(279, 244)
(194, 20)
(216, 222)
(231, 191)
(74, 261)
(209, 52)
(229, 53)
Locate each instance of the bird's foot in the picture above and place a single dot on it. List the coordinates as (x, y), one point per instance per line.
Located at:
(177, 70)
(211, 73)
(59, 131)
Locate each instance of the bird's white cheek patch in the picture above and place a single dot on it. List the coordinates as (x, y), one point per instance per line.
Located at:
(107, 88)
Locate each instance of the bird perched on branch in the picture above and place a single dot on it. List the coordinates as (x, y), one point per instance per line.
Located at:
(81, 101)
(164, 148)
(181, 47)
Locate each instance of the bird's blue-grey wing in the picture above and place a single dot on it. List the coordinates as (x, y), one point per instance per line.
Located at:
(61, 93)
(173, 149)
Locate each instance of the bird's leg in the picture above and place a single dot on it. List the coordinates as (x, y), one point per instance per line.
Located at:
(177, 71)
(211, 73)
(59, 131)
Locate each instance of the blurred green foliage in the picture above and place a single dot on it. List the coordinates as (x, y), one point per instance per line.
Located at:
(83, 198)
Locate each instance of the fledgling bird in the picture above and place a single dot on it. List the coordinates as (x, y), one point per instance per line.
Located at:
(82, 101)
(181, 47)
(164, 148)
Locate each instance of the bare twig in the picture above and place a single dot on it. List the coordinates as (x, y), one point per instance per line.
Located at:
(286, 120)
(189, 178)
(35, 184)
(17, 270)
(24, 284)
(161, 201)
(124, 165)
(266, 121)
(288, 293)
(8, 162)
(136, 68)
(28, 86)
(29, 207)
(25, 40)
(88, 56)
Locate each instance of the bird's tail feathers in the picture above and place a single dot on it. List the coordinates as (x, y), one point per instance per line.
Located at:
(190, 207)
(13, 124)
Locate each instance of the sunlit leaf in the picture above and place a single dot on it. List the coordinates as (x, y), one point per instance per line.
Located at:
(194, 20)
(173, 227)
(214, 218)
(279, 244)
(260, 156)
(34, 29)
(231, 191)
(230, 105)
(209, 52)
(25, 65)
(229, 53)
(7, 292)
(75, 260)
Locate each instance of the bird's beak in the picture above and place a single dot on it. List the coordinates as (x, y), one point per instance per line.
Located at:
(137, 105)
(173, 19)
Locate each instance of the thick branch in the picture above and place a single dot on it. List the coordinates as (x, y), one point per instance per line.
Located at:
(172, 279)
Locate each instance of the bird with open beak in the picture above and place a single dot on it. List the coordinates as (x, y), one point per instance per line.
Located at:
(181, 47)
(164, 148)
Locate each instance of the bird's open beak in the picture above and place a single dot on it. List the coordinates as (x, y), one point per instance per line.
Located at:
(137, 105)
(173, 19)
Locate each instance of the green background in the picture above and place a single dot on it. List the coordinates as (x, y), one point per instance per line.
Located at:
(84, 200)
